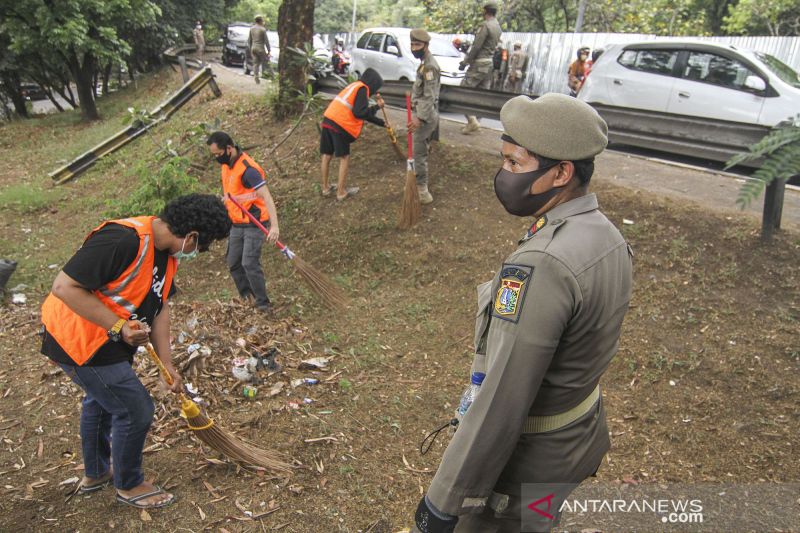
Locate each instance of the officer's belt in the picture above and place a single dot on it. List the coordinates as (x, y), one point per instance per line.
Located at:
(543, 424)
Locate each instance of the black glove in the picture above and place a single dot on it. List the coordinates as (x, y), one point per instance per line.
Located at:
(428, 519)
(462, 66)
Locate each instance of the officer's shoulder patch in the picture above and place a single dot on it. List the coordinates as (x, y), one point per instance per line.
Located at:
(510, 295)
(429, 74)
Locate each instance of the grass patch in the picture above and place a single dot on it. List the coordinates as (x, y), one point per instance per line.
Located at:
(26, 199)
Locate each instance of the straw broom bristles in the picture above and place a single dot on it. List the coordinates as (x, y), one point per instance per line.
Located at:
(331, 294)
(207, 431)
(228, 445)
(410, 209)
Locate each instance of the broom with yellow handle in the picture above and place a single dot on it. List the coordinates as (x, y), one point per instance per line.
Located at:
(210, 433)
(393, 136)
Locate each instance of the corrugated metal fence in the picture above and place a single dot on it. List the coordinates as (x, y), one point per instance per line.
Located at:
(551, 53)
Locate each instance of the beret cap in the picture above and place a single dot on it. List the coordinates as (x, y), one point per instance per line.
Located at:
(555, 126)
(419, 34)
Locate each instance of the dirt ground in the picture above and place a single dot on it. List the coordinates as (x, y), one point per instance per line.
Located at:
(704, 387)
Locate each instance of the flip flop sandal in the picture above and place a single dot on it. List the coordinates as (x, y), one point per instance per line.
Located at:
(350, 191)
(134, 501)
(94, 487)
(330, 191)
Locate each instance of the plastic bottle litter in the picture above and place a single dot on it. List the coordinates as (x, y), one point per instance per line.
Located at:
(249, 392)
(470, 392)
(310, 381)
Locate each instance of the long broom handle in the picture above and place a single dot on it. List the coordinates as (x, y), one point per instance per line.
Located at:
(282, 247)
(408, 113)
(389, 128)
(157, 360)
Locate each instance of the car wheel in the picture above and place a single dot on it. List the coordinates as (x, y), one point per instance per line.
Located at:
(403, 78)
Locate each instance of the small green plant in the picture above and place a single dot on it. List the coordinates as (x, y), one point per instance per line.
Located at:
(345, 385)
(26, 198)
(781, 152)
(156, 189)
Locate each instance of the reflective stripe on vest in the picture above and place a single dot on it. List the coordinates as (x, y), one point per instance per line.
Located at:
(81, 338)
(249, 198)
(340, 110)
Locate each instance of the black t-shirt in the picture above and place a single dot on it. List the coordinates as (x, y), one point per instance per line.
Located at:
(102, 259)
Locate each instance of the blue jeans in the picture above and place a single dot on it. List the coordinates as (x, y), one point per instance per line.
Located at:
(116, 405)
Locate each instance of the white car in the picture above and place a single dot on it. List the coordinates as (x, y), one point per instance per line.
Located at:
(695, 78)
(388, 51)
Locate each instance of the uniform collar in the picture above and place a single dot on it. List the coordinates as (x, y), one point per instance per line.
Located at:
(576, 206)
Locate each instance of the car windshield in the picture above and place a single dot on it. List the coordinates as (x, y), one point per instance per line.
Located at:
(780, 69)
(441, 47)
(238, 33)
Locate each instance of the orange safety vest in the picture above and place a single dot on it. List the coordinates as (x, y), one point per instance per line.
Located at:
(232, 184)
(340, 110)
(81, 338)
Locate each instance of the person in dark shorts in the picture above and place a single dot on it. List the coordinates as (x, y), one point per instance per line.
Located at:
(341, 125)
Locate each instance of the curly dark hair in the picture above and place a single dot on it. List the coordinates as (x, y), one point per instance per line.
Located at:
(204, 213)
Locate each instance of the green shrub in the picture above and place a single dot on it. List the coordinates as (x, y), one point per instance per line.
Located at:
(156, 189)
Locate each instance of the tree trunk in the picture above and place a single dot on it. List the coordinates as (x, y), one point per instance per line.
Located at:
(295, 28)
(106, 77)
(83, 74)
(581, 12)
(11, 88)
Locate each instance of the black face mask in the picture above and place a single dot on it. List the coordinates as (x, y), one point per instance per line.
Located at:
(224, 159)
(419, 54)
(513, 191)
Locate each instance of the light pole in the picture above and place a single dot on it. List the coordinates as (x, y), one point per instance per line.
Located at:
(353, 27)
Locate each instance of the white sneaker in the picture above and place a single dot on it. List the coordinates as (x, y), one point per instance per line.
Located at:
(425, 196)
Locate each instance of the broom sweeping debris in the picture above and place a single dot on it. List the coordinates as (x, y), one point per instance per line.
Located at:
(330, 293)
(410, 209)
(207, 431)
(392, 136)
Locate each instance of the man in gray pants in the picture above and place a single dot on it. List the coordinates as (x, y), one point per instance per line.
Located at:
(244, 180)
(479, 59)
(258, 43)
(425, 102)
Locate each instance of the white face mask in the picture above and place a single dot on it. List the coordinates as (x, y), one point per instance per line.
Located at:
(185, 256)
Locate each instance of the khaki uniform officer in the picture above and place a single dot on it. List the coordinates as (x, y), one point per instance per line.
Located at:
(547, 326)
(516, 69)
(425, 102)
(479, 59)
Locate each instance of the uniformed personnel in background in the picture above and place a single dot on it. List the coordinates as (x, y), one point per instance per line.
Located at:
(479, 59)
(258, 44)
(425, 104)
(547, 327)
(516, 69)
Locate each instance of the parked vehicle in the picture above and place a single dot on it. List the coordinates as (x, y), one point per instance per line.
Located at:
(32, 91)
(388, 50)
(234, 44)
(695, 78)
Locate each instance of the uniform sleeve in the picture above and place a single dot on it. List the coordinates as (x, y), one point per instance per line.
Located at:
(518, 353)
(425, 106)
(477, 44)
(362, 110)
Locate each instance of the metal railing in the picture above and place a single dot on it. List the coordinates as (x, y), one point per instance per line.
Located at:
(160, 114)
(710, 139)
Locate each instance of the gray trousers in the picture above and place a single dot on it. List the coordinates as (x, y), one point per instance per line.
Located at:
(260, 61)
(244, 262)
(421, 142)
